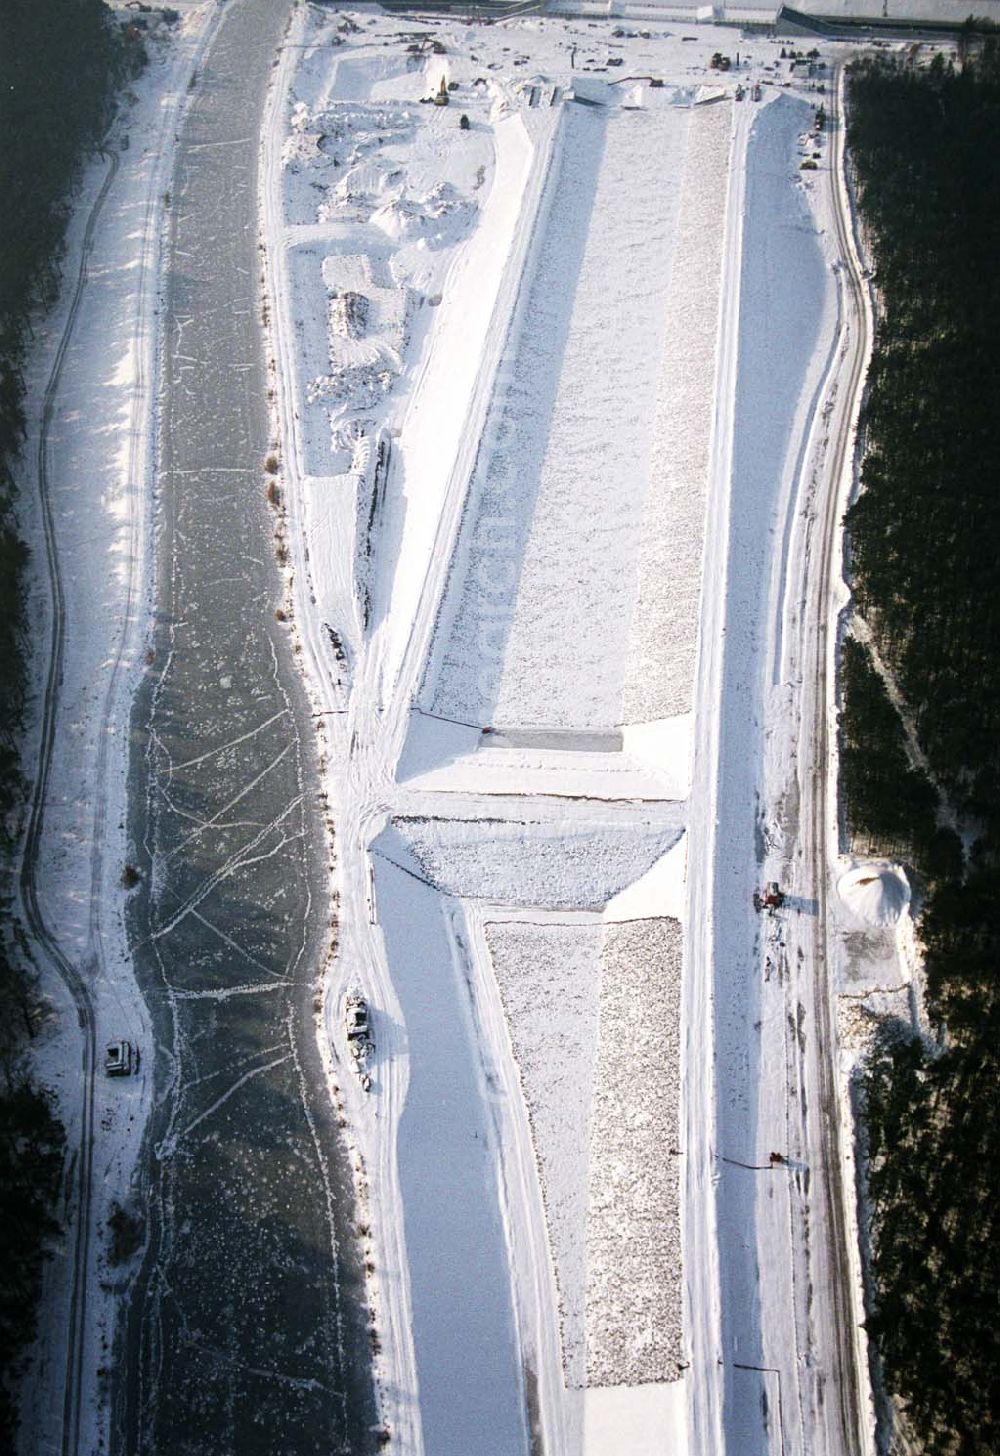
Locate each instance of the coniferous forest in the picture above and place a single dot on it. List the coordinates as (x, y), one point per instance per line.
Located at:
(924, 555)
(60, 61)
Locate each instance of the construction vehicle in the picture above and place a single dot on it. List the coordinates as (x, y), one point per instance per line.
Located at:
(772, 897)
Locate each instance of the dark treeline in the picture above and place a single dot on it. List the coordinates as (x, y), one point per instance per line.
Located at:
(893, 806)
(60, 61)
(924, 539)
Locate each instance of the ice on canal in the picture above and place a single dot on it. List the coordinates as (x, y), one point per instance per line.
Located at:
(246, 1325)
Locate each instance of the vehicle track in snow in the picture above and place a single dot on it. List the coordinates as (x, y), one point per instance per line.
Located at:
(798, 1377)
(818, 619)
(71, 974)
(829, 1407)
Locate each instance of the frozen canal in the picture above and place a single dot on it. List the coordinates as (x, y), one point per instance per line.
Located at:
(783, 285)
(246, 1329)
(463, 1311)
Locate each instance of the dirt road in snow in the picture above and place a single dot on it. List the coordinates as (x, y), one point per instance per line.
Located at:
(73, 975)
(847, 1414)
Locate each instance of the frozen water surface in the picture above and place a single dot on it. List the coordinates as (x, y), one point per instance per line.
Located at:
(458, 1267)
(245, 1330)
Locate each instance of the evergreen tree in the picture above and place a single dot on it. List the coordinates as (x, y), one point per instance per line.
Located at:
(926, 577)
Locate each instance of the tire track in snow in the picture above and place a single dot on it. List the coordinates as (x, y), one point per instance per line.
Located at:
(848, 1387)
(70, 974)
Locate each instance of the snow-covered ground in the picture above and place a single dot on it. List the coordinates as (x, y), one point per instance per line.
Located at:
(546, 606)
(759, 12)
(786, 315)
(564, 465)
(100, 462)
(500, 408)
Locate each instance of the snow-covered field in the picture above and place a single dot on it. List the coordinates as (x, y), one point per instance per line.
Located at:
(523, 556)
(480, 335)
(549, 978)
(659, 675)
(545, 569)
(633, 1214)
(593, 1012)
(578, 568)
(556, 862)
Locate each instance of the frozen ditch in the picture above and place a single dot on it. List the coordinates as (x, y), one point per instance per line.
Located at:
(464, 1334)
(246, 1325)
(587, 448)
